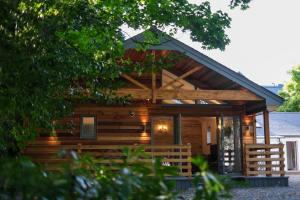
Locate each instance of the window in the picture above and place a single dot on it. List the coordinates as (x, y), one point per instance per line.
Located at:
(88, 127)
(208, 135)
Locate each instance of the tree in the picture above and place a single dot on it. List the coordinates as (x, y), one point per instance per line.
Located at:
(51, 50)
(291, 93)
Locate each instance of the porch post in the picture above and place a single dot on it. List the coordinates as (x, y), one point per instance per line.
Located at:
(266, 126)
(221, 145)
(177, 129)
(267, 137)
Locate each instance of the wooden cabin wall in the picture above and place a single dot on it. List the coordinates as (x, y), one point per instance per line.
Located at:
(115, 125)
(194, 131)
(248, 129)
(132, 125)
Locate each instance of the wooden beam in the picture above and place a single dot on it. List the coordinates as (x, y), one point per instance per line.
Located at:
(135, 82)
(233, 95)
(206, 95)
(167, 74)
(135, 93)
(266, 126)
(186, 74)
(153, 87)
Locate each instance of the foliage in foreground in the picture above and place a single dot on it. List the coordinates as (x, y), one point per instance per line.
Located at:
(291, 92)
(84, 179)
(51, 50)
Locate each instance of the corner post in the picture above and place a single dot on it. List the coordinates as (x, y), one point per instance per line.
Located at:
(267, 140)
(266, 126)
(189, 158)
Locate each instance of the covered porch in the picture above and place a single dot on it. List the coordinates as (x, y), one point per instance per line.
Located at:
(176, 133)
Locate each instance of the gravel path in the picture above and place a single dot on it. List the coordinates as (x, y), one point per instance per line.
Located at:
(268, 193)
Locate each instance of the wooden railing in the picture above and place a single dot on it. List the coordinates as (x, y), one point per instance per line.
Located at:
(172, 155)
(262, 159)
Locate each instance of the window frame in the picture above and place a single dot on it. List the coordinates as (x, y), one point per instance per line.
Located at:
(81, 126)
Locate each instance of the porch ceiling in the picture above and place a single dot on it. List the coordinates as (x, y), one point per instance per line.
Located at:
(204, 78)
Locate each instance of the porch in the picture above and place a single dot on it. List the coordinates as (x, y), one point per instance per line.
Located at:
(259, 160)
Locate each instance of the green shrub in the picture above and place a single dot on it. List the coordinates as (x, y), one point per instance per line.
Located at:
(83, 178)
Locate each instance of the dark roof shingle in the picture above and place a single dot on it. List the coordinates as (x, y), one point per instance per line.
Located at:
(281, 124)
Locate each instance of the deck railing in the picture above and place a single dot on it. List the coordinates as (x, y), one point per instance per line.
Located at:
(262, 159)
(171, 155)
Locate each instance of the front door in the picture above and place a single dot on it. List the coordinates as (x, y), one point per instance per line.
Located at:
(229, 145)
(291, 154)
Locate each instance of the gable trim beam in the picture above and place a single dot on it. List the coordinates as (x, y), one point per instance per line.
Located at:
(234, 95)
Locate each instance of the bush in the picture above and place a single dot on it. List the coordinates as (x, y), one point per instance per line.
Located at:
(83, 178)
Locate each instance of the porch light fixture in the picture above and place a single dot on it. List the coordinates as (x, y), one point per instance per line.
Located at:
(248, 130)
(162, 128)
(131, 114)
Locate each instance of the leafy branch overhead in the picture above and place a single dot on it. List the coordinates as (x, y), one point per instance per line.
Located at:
(291, 93)
(49, 49)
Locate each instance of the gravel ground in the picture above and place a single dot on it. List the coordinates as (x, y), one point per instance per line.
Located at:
(268, 193)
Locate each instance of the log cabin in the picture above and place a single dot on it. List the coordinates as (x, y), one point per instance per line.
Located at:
(196, 107)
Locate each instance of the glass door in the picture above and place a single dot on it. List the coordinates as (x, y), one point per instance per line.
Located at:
(229, 145)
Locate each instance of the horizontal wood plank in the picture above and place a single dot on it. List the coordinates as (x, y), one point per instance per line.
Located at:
(234, 95)
(264, 159)
(174, 155)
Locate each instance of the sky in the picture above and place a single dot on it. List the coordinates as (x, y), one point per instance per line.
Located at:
(265, 39)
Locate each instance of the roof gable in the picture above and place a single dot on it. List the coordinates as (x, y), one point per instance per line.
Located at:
(170, 43)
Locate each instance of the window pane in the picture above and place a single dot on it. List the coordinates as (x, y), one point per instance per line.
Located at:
(88, 127)
(208, 136)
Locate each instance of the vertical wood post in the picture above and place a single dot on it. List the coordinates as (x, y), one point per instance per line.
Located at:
(153, 87)
(267, 138)
(254, 130)
(79, 148)
(266, 127)
(177, 129)
(189, 164)
(281, 157)
(221, 147)
(246, 162)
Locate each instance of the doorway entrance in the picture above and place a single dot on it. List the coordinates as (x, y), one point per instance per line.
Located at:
(229, 145)
(291, 153)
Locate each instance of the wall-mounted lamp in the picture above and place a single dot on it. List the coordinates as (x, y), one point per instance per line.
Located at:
(248, 130)
(162, 128)
(131, 113)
